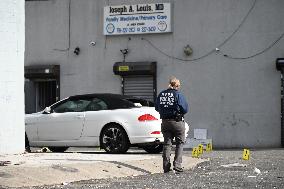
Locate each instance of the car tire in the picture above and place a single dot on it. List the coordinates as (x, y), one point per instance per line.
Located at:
(114, 139)
(27, 144)
(153, 149)
(58, 149)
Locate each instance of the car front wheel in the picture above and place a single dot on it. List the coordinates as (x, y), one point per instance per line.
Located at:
(153, 149)
(114, 139)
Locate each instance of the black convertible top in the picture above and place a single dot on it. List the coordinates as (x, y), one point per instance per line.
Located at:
(115, 101)
(102, 95)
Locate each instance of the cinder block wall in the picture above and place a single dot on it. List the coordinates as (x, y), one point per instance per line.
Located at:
(12, 32)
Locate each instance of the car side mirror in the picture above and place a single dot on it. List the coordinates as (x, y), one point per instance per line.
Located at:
(47, 110)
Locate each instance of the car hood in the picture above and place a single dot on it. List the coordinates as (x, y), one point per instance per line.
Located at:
(33, 114)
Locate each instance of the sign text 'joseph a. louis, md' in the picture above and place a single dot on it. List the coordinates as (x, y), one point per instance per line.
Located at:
(137, 19)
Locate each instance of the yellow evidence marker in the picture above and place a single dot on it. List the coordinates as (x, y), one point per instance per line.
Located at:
(195, 153)
(246, 154)
(200, 148)
(208, 147)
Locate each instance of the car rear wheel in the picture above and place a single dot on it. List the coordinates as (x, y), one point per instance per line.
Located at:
(58, 149)
(153, 149)
(114, 139)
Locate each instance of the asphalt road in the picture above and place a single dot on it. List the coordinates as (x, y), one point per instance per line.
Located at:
(226, 169)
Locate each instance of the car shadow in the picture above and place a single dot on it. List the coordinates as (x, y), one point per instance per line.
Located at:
(131, 151)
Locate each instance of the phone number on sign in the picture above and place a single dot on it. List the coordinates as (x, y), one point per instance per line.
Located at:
(134, 29)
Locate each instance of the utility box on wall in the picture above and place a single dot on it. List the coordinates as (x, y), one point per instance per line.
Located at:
(279, 63)
(138, 78)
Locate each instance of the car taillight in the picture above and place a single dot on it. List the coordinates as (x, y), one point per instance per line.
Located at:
(147, 117)
(156, 133)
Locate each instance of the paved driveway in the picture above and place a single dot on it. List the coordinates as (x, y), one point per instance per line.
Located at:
(37, 168)
(226, 169)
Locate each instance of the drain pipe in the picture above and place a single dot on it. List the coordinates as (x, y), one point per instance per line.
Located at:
(280, 67)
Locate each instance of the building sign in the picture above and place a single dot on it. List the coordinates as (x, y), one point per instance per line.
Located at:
(137, 19)
(123, 68)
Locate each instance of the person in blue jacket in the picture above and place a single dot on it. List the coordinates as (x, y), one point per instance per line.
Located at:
(172, 106)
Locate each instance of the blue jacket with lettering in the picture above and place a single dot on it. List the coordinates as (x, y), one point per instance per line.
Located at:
(171, 102)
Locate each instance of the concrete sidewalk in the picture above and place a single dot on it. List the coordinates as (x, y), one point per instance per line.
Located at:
(34, 169)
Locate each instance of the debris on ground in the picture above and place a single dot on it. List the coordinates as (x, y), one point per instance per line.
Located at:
(44, 149)
(65, 183)
(234, 165)
(20, 163)
(5, 163)
(256, 170)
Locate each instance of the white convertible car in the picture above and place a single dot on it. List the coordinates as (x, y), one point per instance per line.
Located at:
(113, 122)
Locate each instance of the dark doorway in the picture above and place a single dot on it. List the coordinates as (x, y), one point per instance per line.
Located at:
(46, 93)
(39, 94)
(41, 87)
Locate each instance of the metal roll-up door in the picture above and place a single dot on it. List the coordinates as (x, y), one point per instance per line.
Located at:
(142, 86)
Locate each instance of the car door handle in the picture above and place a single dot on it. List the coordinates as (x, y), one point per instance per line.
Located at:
(79, 116)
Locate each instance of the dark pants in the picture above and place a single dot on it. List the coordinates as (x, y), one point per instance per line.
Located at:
(172, 129)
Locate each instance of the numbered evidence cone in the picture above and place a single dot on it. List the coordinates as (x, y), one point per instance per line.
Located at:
(246, 154)
(208, 147)
(195, 153)
(200, 148)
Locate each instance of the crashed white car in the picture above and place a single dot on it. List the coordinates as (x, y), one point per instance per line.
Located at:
(113, 122)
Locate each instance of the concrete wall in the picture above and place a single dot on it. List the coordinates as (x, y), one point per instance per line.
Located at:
(238, 101)
(12, 32)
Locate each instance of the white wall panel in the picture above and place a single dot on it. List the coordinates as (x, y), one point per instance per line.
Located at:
(12, 32)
